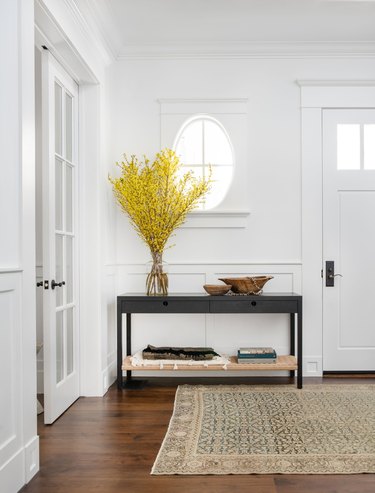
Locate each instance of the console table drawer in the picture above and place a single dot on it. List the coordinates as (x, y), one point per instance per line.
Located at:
(165, 306)
(253, 306)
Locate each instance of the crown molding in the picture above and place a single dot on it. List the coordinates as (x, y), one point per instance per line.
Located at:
(248, 50)
(335, 83)
(202, 100)
(100, 18)
(87, 23)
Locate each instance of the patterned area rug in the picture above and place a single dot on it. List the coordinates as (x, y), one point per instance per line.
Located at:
(321, 429)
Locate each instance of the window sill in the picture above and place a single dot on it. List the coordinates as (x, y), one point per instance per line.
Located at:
(216, 219)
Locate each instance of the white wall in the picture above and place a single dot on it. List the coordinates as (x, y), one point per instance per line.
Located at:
(271, 241)
(19, 456)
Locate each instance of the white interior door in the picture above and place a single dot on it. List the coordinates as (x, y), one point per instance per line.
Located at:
(60, 304)
(349, 239)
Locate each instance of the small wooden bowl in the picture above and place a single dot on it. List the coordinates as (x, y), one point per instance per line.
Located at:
(217, 289)
(247, 285)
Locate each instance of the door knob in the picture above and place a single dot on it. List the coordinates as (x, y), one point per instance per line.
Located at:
(55, 284)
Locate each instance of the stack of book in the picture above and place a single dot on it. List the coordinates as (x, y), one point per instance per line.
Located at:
(258, 355)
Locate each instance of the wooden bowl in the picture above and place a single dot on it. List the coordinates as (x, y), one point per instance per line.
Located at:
(217, 289)
(247, 285)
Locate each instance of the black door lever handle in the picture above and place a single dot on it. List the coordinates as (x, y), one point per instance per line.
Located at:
(55, 284)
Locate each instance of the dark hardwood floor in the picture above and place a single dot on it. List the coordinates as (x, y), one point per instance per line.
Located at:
(108, 445)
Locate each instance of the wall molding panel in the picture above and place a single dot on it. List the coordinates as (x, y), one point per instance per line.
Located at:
(11, 435)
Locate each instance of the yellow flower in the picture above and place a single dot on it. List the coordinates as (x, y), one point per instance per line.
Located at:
(155, 197)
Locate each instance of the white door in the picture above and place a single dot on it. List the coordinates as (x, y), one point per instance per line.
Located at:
(349, 239)
(60, 304)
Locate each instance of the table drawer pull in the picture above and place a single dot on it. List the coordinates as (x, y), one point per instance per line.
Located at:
(253, 303)
(165, 303)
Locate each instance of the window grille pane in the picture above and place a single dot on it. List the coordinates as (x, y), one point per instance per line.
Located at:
(69, 269)
(221, 176)
(189, 145)
(58, 195)
(217, 149)
(69, 341)
(58, 119)
(59, 271)
(348, 147)
(197, 171)
(68, 127)
(369, 146)
(59, 347)
(68, 198)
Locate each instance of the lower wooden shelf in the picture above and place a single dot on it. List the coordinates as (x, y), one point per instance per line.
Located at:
(287, 362)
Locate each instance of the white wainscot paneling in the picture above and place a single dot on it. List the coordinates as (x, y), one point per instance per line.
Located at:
(108, 327)
(180, 280)
(11, 453)
(228, 332)
(170, 330)
(286, 277)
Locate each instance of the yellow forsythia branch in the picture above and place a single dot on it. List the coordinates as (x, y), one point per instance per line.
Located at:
(155, 197)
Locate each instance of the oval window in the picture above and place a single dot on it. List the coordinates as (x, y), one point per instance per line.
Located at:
(203, 142)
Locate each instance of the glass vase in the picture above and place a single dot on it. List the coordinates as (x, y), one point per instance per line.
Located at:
(157, 276)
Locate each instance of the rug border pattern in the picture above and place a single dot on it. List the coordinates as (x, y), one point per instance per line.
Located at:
(183, 434)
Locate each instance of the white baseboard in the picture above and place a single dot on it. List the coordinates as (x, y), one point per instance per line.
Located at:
(109, 374)
(31, 458)
(20, 468)
(312, 366)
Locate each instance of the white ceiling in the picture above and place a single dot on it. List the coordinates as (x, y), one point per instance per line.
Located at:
(130, 26)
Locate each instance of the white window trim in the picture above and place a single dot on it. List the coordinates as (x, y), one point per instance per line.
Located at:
(315, 97)
(222, 216)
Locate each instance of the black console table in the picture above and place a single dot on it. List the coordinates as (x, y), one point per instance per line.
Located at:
(202, 303)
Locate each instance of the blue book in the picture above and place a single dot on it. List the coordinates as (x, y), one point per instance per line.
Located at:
(256, 356)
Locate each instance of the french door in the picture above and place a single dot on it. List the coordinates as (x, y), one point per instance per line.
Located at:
(349, 240)
(60, 303)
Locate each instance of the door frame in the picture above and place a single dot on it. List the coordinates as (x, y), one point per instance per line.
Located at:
(89, 196)
(316, 96)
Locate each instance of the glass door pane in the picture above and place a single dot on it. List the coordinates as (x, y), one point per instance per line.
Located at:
(69, 269)
(348, 146)
(59, 347)
(69, 341)
(58, 195)
(69, 198)
(68, 127)
(58, 119)
(59, 272)
(369, 146)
